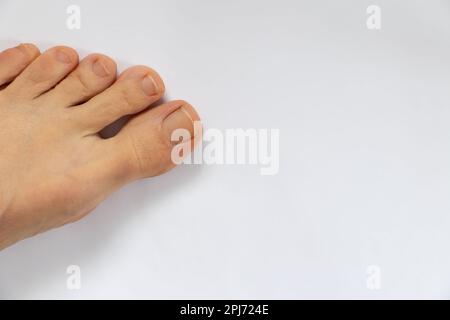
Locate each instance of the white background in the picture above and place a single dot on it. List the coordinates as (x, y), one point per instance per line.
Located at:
(364, 164)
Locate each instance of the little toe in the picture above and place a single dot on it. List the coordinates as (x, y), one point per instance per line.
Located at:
(149, 144)
(135, 90)
(44, 72)
(94, 74)
(14, 60)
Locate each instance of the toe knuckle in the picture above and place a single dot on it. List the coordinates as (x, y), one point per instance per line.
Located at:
(127, 101)
(84, 88)
(152, 158)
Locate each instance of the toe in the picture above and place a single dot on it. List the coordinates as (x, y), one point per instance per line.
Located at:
(44, 72)
(135, 90)
(14, 60)
(94, 74)
(155, 141)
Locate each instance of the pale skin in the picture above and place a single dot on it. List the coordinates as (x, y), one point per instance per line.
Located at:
(55, 168)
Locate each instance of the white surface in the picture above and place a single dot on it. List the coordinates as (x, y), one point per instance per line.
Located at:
(365, 153)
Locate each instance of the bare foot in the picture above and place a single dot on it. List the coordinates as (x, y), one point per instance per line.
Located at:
(54, 167)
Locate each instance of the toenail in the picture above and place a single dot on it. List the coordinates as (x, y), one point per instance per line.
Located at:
(27, 49)
(179, 119)
(150, 86)
(63, 57)
(100, 69)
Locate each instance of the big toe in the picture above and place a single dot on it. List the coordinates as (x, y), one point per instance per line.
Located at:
(158, 139)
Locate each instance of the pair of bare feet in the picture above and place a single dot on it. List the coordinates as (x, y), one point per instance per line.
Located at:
(54, 166)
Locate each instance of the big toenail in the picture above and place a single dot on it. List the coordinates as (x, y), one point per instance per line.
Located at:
(100, 69)
(150, 86)
(179, 119)
(63, 57)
